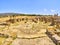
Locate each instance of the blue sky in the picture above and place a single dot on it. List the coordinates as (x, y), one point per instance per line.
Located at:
(30, 6)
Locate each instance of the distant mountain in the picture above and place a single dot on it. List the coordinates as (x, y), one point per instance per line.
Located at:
(6, 14)
(9, 13)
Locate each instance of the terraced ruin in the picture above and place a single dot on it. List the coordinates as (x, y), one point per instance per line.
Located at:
(29, 30)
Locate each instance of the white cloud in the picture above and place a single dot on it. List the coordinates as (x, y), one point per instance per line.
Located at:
(52, 10)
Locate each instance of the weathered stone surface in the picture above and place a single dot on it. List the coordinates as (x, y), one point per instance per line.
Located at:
(36, 41)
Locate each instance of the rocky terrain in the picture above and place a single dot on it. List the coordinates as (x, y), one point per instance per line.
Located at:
(27, 30)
